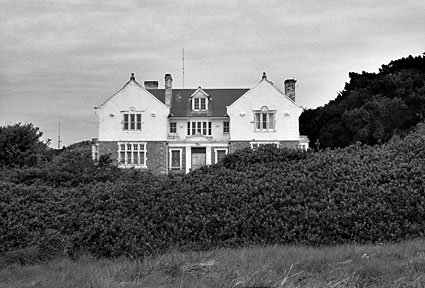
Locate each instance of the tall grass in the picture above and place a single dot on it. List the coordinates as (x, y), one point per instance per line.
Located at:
(387, 265)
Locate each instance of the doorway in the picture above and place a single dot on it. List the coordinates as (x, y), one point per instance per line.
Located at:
(199, 157)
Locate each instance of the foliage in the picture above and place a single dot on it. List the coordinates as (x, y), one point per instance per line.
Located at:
(21, 146)
(263, 196)
(372, 107)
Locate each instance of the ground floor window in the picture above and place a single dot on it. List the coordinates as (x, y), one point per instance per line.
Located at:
(255, 145)
(176, 159)
(95, 151)
(219, 154)
(132, 154)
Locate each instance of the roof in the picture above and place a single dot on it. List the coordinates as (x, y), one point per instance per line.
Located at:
(181, 104)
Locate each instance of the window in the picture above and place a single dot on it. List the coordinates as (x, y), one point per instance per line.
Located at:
(132, 154)
(199, 104)
(175, 159)
(264, 121)
(173, 127)
(219, 154)
(226, 127)
(199, 127)
(255, 145)
(95, 151)
(132, 121)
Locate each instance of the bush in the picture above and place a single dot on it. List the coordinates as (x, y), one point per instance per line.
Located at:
(267, 196)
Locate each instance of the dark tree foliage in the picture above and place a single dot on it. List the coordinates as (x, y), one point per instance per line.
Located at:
(21, 146)
(372, 108)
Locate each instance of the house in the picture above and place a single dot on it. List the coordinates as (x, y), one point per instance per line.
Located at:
(172, 129)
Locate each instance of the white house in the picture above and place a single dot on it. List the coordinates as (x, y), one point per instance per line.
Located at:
(170, 129)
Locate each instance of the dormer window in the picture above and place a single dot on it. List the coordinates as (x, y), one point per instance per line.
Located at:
(199, 104)
(200, 100)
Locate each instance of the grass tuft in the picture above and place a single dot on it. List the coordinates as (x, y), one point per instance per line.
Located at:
(387, 265)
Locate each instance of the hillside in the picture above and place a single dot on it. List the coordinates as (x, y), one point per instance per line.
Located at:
(372, 107)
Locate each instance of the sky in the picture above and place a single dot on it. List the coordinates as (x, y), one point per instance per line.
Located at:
(60, 59)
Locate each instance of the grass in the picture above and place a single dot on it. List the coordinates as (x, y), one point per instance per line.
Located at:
(387, 265)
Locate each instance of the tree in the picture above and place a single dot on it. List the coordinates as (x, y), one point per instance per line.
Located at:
(372, 108)
(21, 146)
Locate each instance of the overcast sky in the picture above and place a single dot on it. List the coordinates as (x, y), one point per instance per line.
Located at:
(59, 59)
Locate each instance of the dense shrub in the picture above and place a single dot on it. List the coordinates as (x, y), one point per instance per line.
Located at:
(356, 194)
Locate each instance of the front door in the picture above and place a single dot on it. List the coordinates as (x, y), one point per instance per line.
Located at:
(199, 156)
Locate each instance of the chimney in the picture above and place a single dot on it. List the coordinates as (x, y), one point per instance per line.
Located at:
(168, 89)
(290, 88)
(151, 85)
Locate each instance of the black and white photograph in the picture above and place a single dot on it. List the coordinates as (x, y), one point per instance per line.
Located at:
(239, 144)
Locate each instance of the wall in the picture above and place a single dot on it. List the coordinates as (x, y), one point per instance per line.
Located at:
(154, 116)
(216, 127)
(264, 94)
(155, 154)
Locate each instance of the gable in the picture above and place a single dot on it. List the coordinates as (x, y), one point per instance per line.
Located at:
(265, 92)
(131, 94)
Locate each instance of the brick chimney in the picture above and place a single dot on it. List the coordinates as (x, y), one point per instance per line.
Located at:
(151, 85)
(290, 88)
(168, 89)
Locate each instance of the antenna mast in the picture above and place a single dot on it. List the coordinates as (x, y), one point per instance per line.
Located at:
(183, 67)
(59, 136)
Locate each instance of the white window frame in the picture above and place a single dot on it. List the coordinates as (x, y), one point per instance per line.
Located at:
(197, 103)
(199, 127)
(216, 154)
(259, 120)
(224, 127)
(95, 152)
(137, 122)
(303, 146)
(175, 123)
(256, 144)
(180, 167)
(132, 150)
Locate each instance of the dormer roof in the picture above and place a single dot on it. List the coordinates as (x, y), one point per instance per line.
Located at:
(181, 104)
(199, 91)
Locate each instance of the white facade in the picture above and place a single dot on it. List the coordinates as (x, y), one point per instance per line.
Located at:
(133, 98)
(183, 129)
(264, 97)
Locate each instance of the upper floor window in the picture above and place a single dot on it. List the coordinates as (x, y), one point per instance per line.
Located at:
(132, 121)
(173, 127)
(199, 127)
(199, 104)
(264, 120)
(226, 127)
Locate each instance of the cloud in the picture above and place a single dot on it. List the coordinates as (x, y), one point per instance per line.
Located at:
(61, 58)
